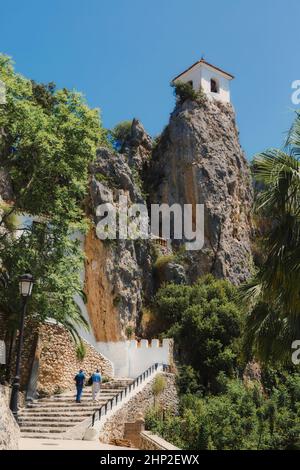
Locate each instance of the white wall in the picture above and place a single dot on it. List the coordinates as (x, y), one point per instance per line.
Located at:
(131, 358)
(224, 91)
(201, 75)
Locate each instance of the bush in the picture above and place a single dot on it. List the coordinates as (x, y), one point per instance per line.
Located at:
(129, 331)
(185, 91)
(188, 381)
(241, 418)
(80, 351)
(158, 386)
(120, 133)
(162, 261)
(205, 322)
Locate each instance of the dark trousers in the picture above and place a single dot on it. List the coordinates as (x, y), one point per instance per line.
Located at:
(79, 392)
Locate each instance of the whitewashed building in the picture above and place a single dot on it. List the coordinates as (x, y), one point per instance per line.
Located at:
(213, 81)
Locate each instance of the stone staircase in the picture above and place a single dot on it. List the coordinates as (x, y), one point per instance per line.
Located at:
(49, 418)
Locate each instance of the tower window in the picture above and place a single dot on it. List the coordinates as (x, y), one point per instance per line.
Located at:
(190, 82)
(214, 88)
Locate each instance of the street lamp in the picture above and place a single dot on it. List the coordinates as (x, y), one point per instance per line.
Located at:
(25, 286)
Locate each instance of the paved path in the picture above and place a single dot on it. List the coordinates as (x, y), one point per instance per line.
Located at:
(60, 444)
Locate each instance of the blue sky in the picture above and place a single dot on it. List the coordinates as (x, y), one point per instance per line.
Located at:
(122, 55)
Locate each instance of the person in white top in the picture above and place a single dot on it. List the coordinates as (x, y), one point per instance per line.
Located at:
(96, 381)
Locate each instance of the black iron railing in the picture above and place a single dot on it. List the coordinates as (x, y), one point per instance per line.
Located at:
(110, 404)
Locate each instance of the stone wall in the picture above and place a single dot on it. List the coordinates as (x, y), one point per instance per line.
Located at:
(149, 441)
(114, 427)
(9, 430)
(58, 361)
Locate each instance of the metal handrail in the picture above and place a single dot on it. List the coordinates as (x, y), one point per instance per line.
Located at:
(126, 390)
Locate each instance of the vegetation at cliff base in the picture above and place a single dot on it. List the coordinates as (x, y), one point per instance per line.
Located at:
(238, 418)
(205, 322)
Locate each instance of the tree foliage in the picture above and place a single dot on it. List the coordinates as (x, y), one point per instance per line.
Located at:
(48, 137)
(205, 322)
(120, 133)
(274, 293)
(240, 418)
(185, 91)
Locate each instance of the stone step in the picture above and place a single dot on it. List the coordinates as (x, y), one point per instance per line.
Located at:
(47, 419)
(73, 405)
(47, 424)
(50, 417)
(56, 416)
(41, 435)
(58, 412)
(84, 399)
(67, 401)
(44, 430)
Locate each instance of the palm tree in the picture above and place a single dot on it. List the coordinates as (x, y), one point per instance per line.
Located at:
(274, 292)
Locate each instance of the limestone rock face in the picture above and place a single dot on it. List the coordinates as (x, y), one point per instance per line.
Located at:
(137, 147)
(118, 272)
(9, 430)
(198, 160)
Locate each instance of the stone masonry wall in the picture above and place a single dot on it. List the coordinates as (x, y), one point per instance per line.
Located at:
(149, 441)
(140, 403)
(58, 362)
(9, 430)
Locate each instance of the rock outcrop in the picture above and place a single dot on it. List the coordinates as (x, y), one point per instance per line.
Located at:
(198, 160)
(118, 272)
(9, 430)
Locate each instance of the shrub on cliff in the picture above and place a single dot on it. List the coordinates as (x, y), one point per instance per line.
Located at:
(120, 133)
(184, 91)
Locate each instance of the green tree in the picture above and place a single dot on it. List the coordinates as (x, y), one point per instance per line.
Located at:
(240, 418)
(48, 137)
(205, 321)
(120, 133)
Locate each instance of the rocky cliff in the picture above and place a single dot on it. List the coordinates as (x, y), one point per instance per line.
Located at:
(198, 159)
(118, 272)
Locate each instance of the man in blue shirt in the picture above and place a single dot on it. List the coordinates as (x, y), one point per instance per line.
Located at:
(96, 380)
(79, 380)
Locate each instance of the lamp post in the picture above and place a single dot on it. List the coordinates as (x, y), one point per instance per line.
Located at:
(25, 286)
